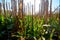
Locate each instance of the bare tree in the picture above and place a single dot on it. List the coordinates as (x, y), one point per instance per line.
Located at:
(0, 8)
(28, 8)
(39, 10)
(46, 11)
(59, 15)
(42, 7)
(34, 6)
(46, 8)
(14, 7)
(50, 8)
(6, 6)
(21, 9)
(3, 2)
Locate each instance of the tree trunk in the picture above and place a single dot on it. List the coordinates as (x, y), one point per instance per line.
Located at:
(50, 8)
(0, 8)
(21, 9)
(3, 2)
(46, 11)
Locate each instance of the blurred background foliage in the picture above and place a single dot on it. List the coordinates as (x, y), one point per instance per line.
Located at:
(28, 30)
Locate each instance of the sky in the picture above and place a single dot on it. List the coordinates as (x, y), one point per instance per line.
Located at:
(55, 3)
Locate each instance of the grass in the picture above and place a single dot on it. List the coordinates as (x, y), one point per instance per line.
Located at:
(29, 28)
